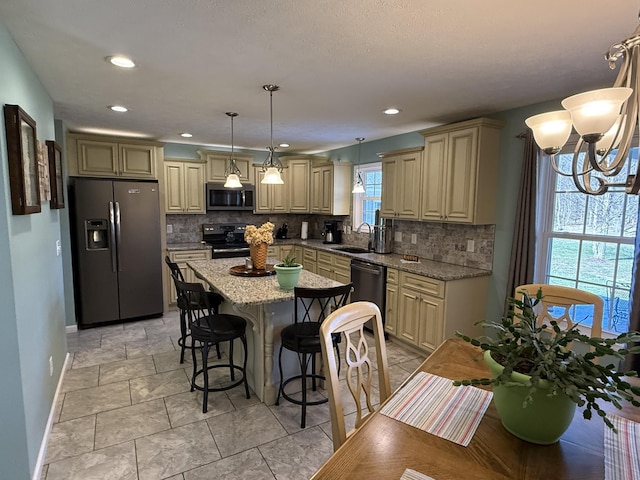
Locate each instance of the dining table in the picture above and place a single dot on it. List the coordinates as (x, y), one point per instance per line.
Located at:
(383, 447)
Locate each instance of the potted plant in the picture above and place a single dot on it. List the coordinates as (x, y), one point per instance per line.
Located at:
(288, 272)
(538, 379)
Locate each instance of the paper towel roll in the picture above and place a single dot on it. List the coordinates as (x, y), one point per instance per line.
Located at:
(304, 231)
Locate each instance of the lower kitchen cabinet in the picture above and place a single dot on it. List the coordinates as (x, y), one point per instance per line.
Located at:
(335, 267)
(309, 259)
(280, 251)
(430, 310)
(181, 257)
(391, 308)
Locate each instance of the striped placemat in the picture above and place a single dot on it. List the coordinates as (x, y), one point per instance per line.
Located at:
(431, 403)
(622, 450)
(413, 475)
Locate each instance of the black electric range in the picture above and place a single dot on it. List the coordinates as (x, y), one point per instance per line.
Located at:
(226, 240)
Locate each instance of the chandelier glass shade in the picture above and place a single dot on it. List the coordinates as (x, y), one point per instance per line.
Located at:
(272, 167)
(358, 184)
(606, 121)
(232, 172)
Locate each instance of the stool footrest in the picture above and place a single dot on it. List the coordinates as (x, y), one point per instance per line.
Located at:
(299, 402)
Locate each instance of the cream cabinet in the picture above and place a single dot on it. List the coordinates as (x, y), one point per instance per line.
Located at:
(184, 187)
(181, 257)
(335, 267)
(401, 183)
(391, 303)
(271, 198)
(460, 172)
(112, 157)
(430, 311)
(280, 252)
(299, 177)
(331, 188)
(309, 259)
(218, 161)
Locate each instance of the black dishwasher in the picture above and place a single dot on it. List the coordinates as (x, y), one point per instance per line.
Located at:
(369, 285)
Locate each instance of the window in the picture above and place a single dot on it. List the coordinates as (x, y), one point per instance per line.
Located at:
(587, 241)
(365, 204)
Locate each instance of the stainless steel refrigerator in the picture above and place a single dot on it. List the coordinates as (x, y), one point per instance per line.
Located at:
(117, 256)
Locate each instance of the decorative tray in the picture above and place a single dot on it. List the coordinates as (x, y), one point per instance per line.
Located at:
(243, 271)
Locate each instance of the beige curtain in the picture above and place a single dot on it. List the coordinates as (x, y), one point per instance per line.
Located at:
(524, 233)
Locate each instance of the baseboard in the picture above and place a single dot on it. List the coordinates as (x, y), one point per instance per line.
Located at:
(42, 454)
(71, 328)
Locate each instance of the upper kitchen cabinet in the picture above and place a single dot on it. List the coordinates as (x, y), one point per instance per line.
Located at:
(330, 187)
(401, 183)
(184, 186)
(112, 157)
(271, 198)
(218, 161)
(460, 172)
(299, 176)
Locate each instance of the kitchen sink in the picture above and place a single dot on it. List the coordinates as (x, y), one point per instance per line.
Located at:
(351, 249)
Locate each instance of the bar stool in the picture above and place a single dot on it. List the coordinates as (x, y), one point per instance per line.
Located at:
(311, 307)
(207, 329)
(213, 298)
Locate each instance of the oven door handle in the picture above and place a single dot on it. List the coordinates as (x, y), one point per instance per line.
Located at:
(222, 250)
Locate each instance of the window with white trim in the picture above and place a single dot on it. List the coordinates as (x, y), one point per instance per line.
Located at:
(365, 204)
(587, 241)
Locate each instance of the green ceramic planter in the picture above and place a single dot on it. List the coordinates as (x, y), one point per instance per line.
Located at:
(543, 421)
(288, 276)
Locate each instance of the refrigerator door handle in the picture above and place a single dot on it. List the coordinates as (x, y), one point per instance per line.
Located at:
(118, 235)
(112, 234)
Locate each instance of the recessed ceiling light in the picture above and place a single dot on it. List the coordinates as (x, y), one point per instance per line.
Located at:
(284, 145)
(391, 111)
(120, 61)
(186, 135)
(118, 108)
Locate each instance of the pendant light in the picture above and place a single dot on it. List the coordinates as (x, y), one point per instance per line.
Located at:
(232, 172)
(272, 167)
(358, 184)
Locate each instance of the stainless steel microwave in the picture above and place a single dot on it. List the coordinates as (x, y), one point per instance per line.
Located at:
(220, 198)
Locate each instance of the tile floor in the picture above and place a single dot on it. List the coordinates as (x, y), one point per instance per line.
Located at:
(126, 412)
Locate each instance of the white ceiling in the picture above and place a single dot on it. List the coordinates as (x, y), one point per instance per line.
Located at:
(338, 63)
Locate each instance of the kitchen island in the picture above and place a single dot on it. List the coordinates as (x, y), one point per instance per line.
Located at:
(267, 309)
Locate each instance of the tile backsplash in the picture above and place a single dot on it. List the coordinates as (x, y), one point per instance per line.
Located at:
(443, 242)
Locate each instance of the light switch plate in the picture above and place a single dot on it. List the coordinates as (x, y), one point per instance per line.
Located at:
(169, 228)
(58, 248)
(414, 238)
(398, 237)
(470, 246)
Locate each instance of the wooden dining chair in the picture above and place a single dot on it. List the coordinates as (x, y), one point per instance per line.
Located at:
(349, 321)
(567, 306)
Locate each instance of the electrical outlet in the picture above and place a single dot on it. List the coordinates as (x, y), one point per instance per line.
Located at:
(398, 237)
(51, 366)
(169, 228)
(58, 248)
(347, 229)
(414, 238)
(470, 246)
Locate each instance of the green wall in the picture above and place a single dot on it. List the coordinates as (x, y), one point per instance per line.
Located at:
(31, 288)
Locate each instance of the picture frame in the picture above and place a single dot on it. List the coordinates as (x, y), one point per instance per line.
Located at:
(55, 175)
(22, 154)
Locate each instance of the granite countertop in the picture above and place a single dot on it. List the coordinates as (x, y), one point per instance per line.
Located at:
(251, 290)
(429, 268)
(172, 247)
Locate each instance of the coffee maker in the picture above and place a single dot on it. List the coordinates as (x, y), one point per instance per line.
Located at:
(332, 233)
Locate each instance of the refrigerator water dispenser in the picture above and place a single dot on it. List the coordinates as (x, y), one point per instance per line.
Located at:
(96, 234)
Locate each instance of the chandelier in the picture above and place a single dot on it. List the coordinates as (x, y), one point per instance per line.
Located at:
(605, 119)
(272, 167)
(358, 184)
(232, 173)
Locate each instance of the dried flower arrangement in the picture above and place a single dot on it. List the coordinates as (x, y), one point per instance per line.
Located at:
(256, 236)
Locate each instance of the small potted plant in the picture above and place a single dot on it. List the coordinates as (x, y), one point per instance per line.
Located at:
(288, 272)
(538, 379)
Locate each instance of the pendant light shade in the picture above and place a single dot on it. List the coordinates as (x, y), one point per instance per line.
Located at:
(232, 173)
(272, 167)
(358, 184)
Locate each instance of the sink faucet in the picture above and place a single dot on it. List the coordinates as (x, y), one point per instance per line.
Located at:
(359, 230)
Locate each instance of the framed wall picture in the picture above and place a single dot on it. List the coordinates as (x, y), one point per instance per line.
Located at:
(55, 174)
(22, 154)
